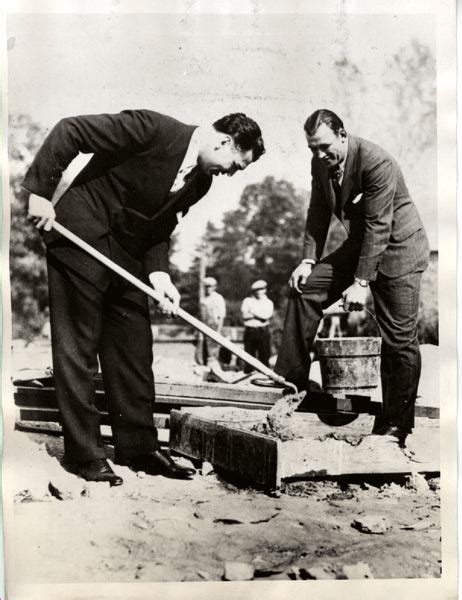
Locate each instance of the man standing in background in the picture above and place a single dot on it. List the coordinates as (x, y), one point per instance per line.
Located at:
(257, 311)
(213, 313)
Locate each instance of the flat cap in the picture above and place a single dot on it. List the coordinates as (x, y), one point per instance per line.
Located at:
(258, 285)
(209, 281)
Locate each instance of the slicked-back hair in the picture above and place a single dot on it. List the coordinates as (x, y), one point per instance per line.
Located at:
(245, 132)
(323, 115)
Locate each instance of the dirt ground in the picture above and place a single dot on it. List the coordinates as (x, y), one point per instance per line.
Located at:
(156, 529)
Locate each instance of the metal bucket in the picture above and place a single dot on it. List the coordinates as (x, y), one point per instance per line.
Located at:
(349, 365)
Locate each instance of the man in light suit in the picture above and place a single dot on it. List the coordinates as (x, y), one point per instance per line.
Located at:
(386, 251)
(147, 170)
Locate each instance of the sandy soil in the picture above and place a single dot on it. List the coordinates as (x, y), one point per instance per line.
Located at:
(156, 529)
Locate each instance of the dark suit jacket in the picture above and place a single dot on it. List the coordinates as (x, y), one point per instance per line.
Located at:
(376, 211)
(120, 202)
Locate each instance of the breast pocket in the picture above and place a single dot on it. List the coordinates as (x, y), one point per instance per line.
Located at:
(354, 208)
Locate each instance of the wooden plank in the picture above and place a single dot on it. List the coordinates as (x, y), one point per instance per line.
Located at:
(45, 398)
(39, 414)
(163, 391)
(221, 391)
(421, 411)
(316, 402)
(170, 395)
(214, 391)
(46, 414)
(55, 429)
(230, 447)
(328, 457)
(252, 456)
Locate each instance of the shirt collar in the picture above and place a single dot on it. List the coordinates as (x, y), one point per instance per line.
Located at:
(342, 164)
(339, 170)
(192, 153)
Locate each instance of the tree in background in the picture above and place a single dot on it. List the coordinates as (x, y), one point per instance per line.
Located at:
(261, 239)
(29, 291)
(402, 118)
(412, 78)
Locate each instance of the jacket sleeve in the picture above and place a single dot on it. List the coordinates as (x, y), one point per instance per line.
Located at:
(317, 221)
(109, 134)
(379, 187)
(157, 257)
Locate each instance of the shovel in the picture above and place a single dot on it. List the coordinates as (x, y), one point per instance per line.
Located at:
(216, 337)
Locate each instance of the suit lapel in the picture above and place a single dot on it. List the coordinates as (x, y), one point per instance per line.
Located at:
(189, 194)
(169, 165)
(348, 175)
(328, 187)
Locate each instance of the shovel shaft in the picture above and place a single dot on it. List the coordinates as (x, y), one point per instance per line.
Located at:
(185, 316)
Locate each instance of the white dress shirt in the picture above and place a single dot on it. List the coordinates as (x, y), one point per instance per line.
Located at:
(257, 307)
(189, 162)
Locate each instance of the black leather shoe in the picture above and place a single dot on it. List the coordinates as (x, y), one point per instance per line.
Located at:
(160, 463)
(98, 470)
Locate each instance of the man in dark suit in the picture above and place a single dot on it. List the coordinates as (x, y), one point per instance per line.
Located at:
(147, 170)
(386, 251)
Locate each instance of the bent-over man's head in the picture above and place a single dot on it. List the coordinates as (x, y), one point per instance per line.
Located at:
(236, 143)
(326, 137)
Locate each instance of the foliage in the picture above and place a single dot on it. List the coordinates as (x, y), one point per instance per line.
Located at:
(412, 79)
(29, 292)
(428, 308)
(261, 239)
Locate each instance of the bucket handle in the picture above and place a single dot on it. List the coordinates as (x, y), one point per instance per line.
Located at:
(366, 310)
(374, 318)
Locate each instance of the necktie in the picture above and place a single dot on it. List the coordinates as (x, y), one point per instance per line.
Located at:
(335, 177)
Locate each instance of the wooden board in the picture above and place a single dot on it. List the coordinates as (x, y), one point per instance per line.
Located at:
(227, 444)
(52, 415)
(254, 457)
(374, 455)
(45, 398)
(173, 395)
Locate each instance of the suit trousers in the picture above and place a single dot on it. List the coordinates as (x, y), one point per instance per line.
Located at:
(113, 324)
(396, 303)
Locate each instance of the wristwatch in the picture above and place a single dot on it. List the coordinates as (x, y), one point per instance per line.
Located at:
(309, 261)
(362, 282)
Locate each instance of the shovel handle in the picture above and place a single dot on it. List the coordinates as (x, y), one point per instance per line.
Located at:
(148, 290)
